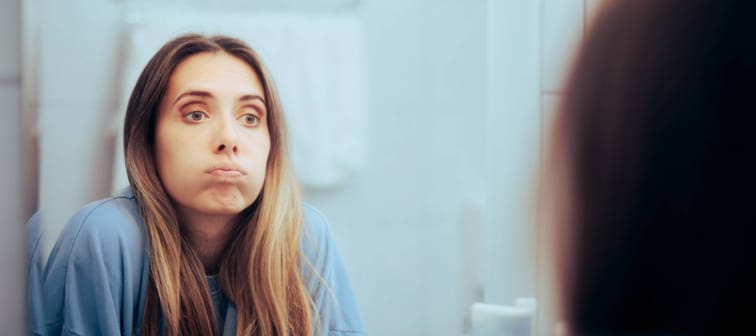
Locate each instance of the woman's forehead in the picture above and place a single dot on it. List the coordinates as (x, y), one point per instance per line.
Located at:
(215, 72)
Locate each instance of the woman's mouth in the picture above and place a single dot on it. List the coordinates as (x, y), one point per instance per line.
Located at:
(225, 172)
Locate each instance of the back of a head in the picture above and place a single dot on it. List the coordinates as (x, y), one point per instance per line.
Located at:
(659, 143)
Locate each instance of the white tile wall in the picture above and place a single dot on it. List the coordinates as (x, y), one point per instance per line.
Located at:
(75, 103)
(85, 48)
(398, 222)
(513, 129)
(75, 165)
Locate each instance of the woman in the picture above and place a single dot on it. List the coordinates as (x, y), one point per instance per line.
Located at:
(211, 237)
(654, 155)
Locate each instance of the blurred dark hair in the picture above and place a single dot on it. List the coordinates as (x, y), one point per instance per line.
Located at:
(658, 135)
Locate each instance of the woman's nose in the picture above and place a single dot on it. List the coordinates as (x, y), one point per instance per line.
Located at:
(227, 137)
(232, 148)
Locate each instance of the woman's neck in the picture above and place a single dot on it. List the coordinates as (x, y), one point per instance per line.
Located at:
(209, 236)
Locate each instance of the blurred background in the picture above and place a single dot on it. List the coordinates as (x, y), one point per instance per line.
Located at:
(417, 129)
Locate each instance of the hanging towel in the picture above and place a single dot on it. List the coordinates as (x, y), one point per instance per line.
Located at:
(317, 61)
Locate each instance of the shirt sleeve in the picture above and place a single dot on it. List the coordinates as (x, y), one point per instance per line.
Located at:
(93, 275)
(329, 284)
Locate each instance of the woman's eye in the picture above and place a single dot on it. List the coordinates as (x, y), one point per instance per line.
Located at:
(195, 116)
(250, 119)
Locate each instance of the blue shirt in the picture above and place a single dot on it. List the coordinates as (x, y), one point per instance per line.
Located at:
(95, 280)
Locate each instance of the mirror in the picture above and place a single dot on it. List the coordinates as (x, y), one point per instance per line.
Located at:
(416, 129)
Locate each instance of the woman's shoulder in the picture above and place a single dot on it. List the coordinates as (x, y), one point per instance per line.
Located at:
(326, 277)
(316, 233)
(314, 220)
(97, 270)
(103, 237)
(112, 222)
(118, 208)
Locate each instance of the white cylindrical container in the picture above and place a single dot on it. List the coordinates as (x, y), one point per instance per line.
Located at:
(500, 320)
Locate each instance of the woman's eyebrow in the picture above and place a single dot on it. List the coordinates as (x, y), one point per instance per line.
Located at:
(252, 97)
(194, 93)
(206, 94)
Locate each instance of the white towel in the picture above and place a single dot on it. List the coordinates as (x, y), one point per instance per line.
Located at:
(317, 62)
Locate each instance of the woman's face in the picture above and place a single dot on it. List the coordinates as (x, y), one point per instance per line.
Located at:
(211, 138)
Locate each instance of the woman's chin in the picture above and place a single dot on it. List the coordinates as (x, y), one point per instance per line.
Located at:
(225, 203)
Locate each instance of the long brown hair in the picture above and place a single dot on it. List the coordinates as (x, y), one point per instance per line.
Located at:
(260, 273)
(658, 138)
